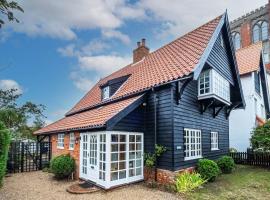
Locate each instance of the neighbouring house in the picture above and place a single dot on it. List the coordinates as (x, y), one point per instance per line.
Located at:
(251, 28)
(255, 89)
(179, 96)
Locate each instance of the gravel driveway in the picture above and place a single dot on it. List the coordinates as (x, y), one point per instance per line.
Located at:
(41, 185)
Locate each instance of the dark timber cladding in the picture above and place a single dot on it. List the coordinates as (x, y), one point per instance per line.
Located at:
(219, 60)
(187, 115)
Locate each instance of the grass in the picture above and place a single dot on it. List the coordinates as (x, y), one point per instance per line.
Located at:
(246, 182)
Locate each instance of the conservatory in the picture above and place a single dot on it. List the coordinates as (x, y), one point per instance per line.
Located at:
(110, 158)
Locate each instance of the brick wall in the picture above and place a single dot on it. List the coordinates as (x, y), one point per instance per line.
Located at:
(74, 153)
(246, 34)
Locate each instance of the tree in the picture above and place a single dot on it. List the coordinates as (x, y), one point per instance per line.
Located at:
(6, 9)
(260, 139)
(16, 118)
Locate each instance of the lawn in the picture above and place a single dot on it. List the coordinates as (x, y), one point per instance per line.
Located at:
(245, 182)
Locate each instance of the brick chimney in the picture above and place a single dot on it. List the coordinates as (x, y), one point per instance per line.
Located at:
(140, 52)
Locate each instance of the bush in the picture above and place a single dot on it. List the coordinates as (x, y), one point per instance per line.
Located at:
(150, 158)
(62, 166)
(208, 169)
(226, 164)
(4, 145)
(187, 182)
(260, 138)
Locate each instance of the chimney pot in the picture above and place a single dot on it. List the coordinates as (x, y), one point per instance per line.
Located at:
(143, 42)
(141, 51)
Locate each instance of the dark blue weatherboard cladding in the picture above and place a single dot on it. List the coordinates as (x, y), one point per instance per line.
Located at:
(218, 59)
(187, 115)
(142, 120)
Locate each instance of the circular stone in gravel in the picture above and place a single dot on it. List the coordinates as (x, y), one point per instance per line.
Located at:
(82, 188)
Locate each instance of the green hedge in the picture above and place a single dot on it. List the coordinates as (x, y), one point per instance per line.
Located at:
(4, 145)
(208, 169)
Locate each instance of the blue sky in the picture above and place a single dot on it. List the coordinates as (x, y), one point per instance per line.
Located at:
(61, 48)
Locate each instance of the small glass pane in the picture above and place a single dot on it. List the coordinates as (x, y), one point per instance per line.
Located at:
(114, 166)
(131, 172)
(122, 156)
(131, 164)
(138, 154)
(131, 147)
(114, 176)
(132, 138)
(122, 138)
(122, 174)
(114, 138)
(114, 147)
(138, 163)
(114, 156)
(131, 155)
(122, 165)
(138, 171)
(122, 147)
(138, 138)
(139, 146)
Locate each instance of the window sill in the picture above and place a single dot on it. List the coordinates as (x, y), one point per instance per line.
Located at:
(60, 147)
(214, 149)
(212, 95)
(192, 158)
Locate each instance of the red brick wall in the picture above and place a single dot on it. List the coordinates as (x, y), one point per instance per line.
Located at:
(246, 34)
(74, 153)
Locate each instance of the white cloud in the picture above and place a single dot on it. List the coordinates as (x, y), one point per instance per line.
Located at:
(104, 64)
(116, 34)
(8, 84)
(179, 17)
(93, 47)
(61, 18)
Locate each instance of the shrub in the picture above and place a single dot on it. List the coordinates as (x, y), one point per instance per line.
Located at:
(150, 158)
(260, 138)
(187, 182)
(226, 164)
(208, 169)
(62, 166)
(4, 145)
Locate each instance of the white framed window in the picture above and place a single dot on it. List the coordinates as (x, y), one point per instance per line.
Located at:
(61, 141)
(105, 93)
(204, 83)
(71, 141)
(255, 106)
(192, 144)
(260, 31)
(214, 140)
(212, 84)
(266, 50)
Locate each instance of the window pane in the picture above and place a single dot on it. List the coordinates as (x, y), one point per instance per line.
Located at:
(122, 174)
(256, 33)
(114, 138)
(114, 147)
(114, 176)
(264, 30)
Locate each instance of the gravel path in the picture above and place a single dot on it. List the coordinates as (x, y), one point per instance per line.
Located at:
(40, 185)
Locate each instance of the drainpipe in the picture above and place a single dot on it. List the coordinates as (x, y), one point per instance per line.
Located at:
(155, 127)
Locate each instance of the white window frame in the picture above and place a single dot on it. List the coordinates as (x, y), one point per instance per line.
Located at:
(60, 141)
(71, 141)
(193, 141)
(219, 87)
(106, 93)
(214, 141)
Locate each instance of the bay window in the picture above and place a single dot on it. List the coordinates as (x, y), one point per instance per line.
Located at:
(212, 84)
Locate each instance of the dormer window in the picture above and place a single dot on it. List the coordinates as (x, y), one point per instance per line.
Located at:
(212, 85)
(105, 93)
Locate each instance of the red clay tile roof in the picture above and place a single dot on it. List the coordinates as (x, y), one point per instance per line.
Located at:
(248, 58)
(89, 119)
(168, 63)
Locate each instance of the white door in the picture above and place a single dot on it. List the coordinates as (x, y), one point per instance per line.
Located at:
(93, 169)
(84, 156)
(88, 158)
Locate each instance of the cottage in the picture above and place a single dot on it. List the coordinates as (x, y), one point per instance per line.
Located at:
(179, 96)
(255, 89)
